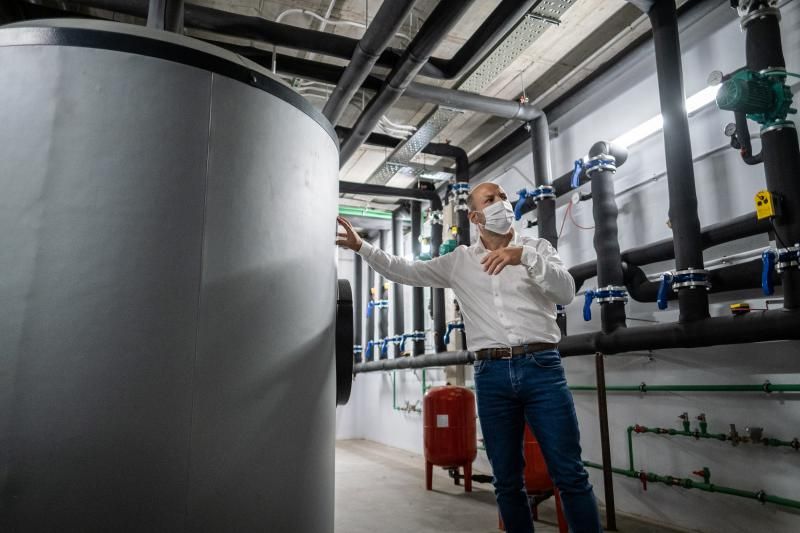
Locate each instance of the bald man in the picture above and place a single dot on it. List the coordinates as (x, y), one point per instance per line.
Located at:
(508, 287)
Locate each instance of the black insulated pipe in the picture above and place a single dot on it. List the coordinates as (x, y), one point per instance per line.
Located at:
(606, 234)
(379, 34)
(718, 331)
(397, 289)
(383, 295)
(369, 334)
(417, 293)
(692, 301)
(350, 187)
(358, 302)
(433, 31)
(165, 15)
(737, 228)
(779, 146)
(543, 176)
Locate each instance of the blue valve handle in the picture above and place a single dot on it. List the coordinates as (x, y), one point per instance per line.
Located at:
(587, 305)
(523, 195)
(370, 345)
(767, 266)
(370, 305)
(663, 290)
(576, 174)
(450, 328)
(385, 346)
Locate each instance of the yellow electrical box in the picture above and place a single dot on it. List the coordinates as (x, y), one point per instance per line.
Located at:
(765, 205)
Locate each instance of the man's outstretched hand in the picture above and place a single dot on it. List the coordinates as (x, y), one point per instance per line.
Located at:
(348, 238)
(496, 260)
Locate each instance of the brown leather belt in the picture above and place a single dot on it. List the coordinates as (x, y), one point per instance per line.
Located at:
(509, 352)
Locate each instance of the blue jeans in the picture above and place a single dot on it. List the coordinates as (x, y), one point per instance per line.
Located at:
(532, 387)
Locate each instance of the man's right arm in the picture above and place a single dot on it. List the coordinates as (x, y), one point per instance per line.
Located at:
(433, 273)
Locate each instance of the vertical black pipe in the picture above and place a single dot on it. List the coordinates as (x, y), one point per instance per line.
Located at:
(693, 302)
(369, 333)
(605, 443)
(383, 294)
(418, 295)
(397, 289)
(165, 15)
(606, 238)
(543, 175)
(437, 295)
(358, 306)
(779, 148)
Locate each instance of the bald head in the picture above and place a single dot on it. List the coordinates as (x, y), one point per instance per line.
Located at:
(485, 194)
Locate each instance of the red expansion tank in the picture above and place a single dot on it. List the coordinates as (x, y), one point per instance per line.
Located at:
(449, 431)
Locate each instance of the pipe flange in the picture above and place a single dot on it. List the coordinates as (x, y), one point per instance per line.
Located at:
(561, 310)
(600, 162)
(543, 192)
(775, 126)
(761, 12)
(787, 258)
(611, 293)
(691, 278)
(435, 217)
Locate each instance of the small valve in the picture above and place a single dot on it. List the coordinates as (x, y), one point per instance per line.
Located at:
(755, 434)
(705, 473)
(643, 479)
(685, 419)
(701, 418)
(733, 436)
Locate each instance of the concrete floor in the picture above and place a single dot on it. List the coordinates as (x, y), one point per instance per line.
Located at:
(382, 489)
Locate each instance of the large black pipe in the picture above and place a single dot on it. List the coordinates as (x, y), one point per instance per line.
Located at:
(417, 293)
(369, 333)
(397, 289)
(383, 294)
(692, 301)
(376, 39)
(358, 302)
(742, 276)
(737, 228)
(779, 146)
(745, 329)
(543, 176)
(349, 187)
(165, 15)
(433, 31)
(606, 234)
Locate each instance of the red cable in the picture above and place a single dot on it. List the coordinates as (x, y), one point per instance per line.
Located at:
(569, 211)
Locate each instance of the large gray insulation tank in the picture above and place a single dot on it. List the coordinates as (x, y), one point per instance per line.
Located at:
(167, 288)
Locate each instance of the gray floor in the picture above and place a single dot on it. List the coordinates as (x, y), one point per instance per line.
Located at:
(381, 489)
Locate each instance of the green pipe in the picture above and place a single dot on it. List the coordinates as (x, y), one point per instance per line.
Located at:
(352, 211)
(701, 435)
(707, 487)
(643, 387)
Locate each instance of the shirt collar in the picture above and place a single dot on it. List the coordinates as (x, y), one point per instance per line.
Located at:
(480, 248)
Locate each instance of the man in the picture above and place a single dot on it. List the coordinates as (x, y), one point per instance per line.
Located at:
(508, 287)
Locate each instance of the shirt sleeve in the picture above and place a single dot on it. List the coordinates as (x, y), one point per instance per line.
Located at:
(433, 273)
(547, 271)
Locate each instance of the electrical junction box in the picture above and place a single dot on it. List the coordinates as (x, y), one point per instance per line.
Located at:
(765, 205)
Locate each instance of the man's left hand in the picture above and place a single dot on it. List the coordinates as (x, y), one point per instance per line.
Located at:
(495, 261)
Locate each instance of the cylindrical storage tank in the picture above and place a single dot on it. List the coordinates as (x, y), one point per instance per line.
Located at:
(167, 279)
(449, 430)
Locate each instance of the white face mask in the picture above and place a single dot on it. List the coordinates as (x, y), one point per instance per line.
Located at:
(499, 217)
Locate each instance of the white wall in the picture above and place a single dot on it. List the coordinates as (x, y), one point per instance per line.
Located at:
(626, 97)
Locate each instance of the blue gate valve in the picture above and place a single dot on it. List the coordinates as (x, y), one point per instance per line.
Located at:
(397, 339)
(587, 305)
(767, 265)
(523, 196)
(450, 327)
(379, 304)
(663, 290)
(370, 346)
(414, 336)
(575, 182)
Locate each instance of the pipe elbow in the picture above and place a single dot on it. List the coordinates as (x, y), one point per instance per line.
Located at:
(618, 152)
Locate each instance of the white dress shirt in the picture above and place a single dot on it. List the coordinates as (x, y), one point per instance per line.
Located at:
(516, 306)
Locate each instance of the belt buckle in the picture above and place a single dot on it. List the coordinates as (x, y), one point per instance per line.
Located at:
(509, 353)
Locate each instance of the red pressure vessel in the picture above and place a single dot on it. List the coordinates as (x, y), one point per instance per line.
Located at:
(449, 431)
(537, 479)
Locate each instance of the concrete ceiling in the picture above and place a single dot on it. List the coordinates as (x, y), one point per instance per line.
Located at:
(590, 32)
